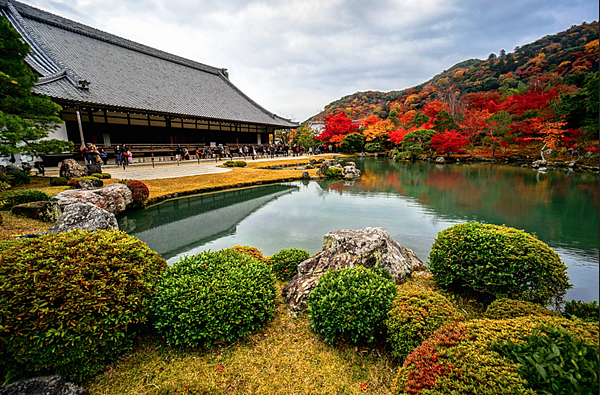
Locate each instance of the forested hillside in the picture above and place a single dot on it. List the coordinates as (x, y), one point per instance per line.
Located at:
(545, 92)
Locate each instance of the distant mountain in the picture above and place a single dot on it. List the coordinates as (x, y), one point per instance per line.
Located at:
(573, 51)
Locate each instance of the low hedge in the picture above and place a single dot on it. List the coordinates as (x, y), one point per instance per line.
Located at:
(213, 296)
(585, 311)
(237, 163)
(285, 262)
(458, 358)
(101, 176)
(415, 315)
(494, 262)
(509, 308)
(333, 172)
(351, 305)
(70, 302)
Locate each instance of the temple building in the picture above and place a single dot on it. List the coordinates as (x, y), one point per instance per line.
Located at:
(116, 91)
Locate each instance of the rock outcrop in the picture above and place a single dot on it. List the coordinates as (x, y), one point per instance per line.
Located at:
(113, 198)
(368, 247)
(71, 169)
(46, 211)
(350, 171)
(49, 385)
(84, 216)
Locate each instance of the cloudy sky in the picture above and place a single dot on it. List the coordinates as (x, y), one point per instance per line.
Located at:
(295, 56)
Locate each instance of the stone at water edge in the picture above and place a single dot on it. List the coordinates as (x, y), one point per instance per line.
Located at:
(350, 172)
(367, 247)
(71, 169)
(113, 198)
(84, 216)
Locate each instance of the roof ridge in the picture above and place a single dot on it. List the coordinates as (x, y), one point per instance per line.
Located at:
(85, 30)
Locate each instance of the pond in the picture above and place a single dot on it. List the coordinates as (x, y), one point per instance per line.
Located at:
(412, 201)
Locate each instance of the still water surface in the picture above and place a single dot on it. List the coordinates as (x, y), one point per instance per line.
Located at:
(412, 201)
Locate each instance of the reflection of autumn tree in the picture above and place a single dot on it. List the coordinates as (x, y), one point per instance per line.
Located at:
(549, 205)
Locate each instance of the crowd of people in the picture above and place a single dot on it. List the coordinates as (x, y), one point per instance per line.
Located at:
(123, 156)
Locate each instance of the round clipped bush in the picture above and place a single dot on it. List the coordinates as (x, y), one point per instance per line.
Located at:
(69, 302)
(416, 314)
(213, 296)
(333, 172)
(458, 358)
(509, 308)
(351, 305)
(250, 251)
(285, 263)
(58, 181)
(352, 143)
(497, 261)
(239, 163)
(139, 191)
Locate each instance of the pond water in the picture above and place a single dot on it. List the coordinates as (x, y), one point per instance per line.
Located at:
(412, 201)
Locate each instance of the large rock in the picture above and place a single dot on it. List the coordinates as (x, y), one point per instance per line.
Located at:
(113, 198)
(322, 169)
(84, 216)
(50, 385)
(44, 211)
(368, 247)
(350, 171)
(117, 196)
(71, 169)
(93, 168)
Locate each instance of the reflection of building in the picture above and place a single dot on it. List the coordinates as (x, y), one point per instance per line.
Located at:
(178, 225)
(113, 90)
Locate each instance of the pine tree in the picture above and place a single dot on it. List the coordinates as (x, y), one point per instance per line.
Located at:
(25, 117)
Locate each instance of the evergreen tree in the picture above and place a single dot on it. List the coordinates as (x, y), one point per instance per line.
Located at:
(25, 117)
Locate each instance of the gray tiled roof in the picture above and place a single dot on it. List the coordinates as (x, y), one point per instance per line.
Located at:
(125, 74)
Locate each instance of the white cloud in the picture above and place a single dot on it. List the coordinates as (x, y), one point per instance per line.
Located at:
(293, 57)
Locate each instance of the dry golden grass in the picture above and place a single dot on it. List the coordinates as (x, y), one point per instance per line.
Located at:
(285, 357)
(13, 225)
(236, 178)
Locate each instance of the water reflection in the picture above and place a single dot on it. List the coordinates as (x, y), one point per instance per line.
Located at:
(179, 225)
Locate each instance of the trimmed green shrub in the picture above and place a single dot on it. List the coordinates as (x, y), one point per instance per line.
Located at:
(70, 302)
(18, 178)
(58, 181)
(237, 163)
(333, 172)
(584, 311)
(4, 186)
(139, 191)
(498, 262)
(373, 147)
(250, 251)
(13, 198)
(352, 143)
(285, 263)
(458, 358)
(504, 308)
(555, 362)
(101, 176)
(213, 296)
(351, 305)
(415, 315)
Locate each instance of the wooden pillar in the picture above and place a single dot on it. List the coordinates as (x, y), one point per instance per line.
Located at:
(80, 127)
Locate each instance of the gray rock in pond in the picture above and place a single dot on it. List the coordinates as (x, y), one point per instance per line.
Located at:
(367, 247)
(538, 163)
(45, 211)
(323, 169)
(305, 175)
(350, 172)
(71, 169)
(440, 160)
(49, 385)
(84, 216)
